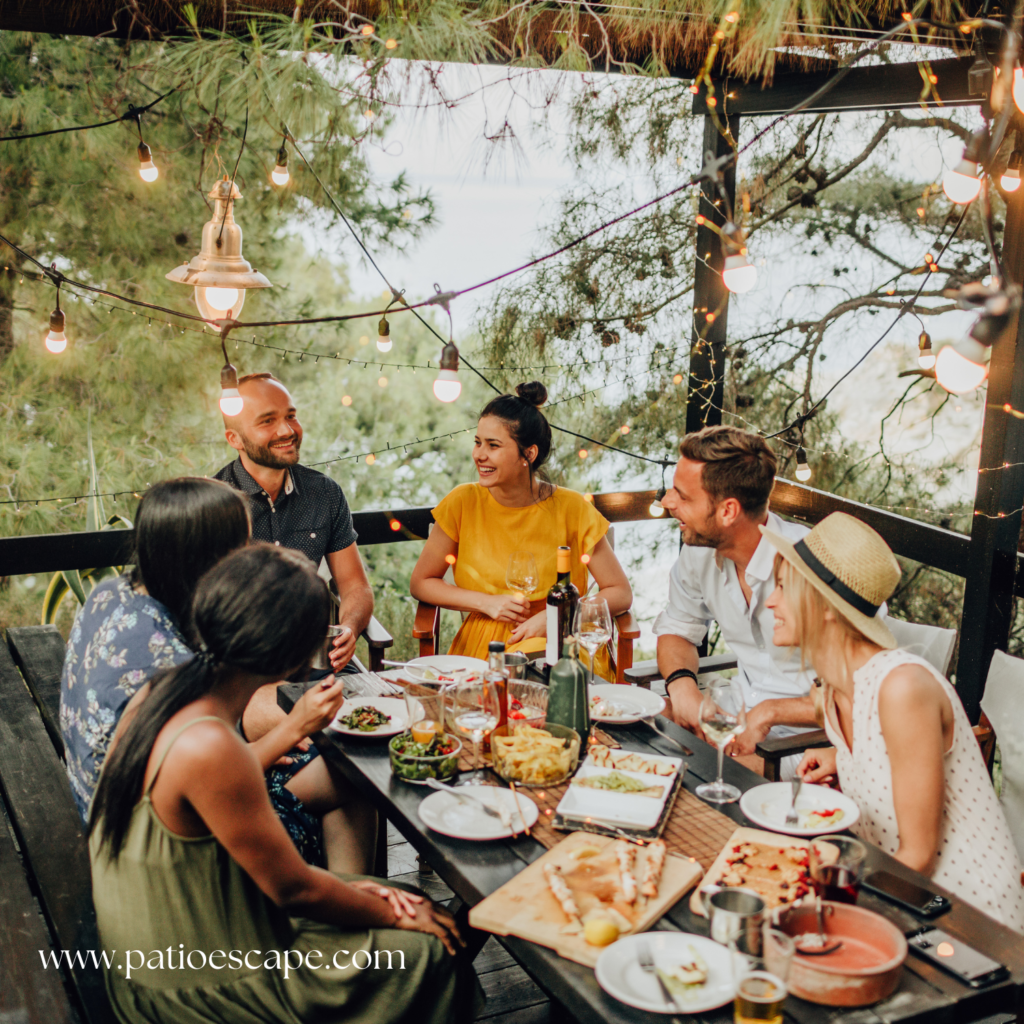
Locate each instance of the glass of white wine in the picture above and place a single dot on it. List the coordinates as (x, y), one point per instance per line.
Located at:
(476, 713)
(723, 715)
(522, 576)
(594, 627)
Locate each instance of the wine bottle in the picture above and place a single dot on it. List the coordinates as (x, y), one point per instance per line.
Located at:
(563, 598)
(567, 694)
(496, 673)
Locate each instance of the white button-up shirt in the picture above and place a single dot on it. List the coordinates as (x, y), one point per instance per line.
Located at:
(704, 587)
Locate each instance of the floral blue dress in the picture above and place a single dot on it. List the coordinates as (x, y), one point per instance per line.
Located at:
(120, 639)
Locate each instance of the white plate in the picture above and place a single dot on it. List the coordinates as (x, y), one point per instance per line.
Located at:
(619, 974)
(446, 664)
(631, 702)
(603, 805)
(393, 706)
(766, 806)
(444, 813)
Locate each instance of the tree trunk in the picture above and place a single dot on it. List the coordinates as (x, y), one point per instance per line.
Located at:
(6, 313)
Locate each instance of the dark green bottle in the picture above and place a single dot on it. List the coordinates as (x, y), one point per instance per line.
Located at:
(568, 702)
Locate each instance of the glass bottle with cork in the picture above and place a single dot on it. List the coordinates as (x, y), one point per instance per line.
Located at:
(497, 673)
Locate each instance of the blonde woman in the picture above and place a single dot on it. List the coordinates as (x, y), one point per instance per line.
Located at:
(903, 747)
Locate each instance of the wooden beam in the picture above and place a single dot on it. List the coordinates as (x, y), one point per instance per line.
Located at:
(993, 573)
(885, 87)
(706, 376)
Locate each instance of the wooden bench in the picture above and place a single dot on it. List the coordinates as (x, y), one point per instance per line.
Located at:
(54, 862)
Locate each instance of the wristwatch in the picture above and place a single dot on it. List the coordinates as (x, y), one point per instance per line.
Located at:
(678, 674)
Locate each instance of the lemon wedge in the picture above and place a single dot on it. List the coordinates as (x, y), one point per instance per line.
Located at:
(600, 931)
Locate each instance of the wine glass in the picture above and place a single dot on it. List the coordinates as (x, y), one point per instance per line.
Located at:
(477, 711)
(722, 716)
(593, 627)
(521, 575)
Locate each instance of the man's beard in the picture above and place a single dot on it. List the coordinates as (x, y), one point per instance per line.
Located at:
(695, 538)
(264, 455)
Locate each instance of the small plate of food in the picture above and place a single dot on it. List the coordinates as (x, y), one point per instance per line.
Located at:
(444, 668)
(616, 796)
(371, 716)
(819, 810)
(697, 971)
(457, 813)
(616, 704)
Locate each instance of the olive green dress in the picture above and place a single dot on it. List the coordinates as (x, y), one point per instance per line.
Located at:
(171, 897)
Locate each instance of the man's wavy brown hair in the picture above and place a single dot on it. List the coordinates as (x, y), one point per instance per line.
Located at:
(737, 464)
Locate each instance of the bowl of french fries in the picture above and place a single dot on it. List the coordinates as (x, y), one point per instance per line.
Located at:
(530, 756)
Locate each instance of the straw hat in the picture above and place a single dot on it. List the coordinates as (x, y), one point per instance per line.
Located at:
(850, 566)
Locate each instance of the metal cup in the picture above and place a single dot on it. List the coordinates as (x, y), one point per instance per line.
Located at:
(516, 663)
(735, 918)
(321, 659)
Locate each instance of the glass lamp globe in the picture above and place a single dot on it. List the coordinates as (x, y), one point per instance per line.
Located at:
(447, 387)
(962, 183)
(962, 367)
(739, 275)
(220, 303)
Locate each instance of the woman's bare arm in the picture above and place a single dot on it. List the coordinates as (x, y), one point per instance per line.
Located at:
(911, 710)
(610, 577)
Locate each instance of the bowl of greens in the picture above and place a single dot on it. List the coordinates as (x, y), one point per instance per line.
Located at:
(416, 762)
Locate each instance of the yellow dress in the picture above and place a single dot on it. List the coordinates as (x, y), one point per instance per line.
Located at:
(487, 533)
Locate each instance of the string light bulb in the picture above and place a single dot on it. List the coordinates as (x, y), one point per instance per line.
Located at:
(963, 182)
(448, 387)
(925, 355)
(219, 274)
(384, 337)
(279, 175)
(803, 470)
(231, 401)
(739, 275)
(1010, 179)
(148, 170)
(962, 366)
(656, 509)
(1018, 88)
(56, 341)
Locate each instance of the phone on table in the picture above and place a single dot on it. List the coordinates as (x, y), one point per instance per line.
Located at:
(907, 894)
(955, 957)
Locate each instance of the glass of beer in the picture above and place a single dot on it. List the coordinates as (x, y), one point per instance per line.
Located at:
(759, 999)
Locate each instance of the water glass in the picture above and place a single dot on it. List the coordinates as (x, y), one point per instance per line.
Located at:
(476, 713)
(593, 627)
(425, 702)
(723, 715)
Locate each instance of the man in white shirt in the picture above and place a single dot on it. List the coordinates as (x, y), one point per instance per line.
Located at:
(719, 495)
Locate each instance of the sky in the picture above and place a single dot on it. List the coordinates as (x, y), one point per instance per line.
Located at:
(493, 205)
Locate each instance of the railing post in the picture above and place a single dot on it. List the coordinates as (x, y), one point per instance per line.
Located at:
(710, 296)
(988, 594)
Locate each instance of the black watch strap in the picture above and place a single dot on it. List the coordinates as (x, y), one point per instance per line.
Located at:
(678, 674)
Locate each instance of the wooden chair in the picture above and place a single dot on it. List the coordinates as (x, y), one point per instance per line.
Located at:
(426, 629)
(377, 638)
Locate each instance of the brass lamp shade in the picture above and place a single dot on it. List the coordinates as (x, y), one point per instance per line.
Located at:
(219, 274)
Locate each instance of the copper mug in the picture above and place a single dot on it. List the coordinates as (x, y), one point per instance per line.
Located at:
(735, 918)
(322, 655)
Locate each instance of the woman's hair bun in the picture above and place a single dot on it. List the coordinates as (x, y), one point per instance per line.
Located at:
(533, 392)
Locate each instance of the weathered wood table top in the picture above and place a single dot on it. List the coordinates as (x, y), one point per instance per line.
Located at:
(474, 870)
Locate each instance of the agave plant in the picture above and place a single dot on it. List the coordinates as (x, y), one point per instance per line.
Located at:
(75, 581)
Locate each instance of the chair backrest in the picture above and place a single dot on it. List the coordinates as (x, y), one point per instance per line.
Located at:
(1004, 696)
(933, 643)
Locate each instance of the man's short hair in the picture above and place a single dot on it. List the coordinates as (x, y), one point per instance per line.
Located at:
(737, 464)
(256, 376)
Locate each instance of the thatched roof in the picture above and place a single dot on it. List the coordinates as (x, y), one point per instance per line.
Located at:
(670, 36)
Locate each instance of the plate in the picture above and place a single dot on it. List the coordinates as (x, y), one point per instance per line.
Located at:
(631, 702)
(602, 805)
(445, 813)
(393, 706)
(619, 974)
(444, 664)
(766, 806)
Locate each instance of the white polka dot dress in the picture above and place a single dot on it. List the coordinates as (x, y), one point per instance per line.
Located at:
(977, 858)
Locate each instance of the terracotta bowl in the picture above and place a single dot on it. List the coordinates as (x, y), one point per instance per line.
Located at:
(864, 970)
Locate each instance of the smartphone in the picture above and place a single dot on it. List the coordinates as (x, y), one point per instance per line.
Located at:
(907, 894)
(957, 958)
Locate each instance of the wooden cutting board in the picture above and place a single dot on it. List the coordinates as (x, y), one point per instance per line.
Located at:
(741, 835)
(526, 908)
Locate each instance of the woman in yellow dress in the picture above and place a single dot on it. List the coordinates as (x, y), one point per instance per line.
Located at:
(509, 509)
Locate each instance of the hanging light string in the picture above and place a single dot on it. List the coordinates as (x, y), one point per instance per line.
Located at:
(131, 114)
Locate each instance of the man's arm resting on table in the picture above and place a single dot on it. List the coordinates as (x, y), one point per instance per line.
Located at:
(761, 718)
(356, 601)
(676, 652)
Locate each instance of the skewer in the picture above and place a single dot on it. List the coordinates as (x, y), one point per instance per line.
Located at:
(519, 810)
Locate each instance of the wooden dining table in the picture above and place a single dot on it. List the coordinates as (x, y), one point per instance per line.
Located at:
(474, 870)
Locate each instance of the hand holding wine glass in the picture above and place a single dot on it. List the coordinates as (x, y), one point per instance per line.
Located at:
(477, 711)
(594, 627)
(723, 715)
(522, 576)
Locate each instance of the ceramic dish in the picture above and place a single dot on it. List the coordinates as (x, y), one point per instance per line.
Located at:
(633, 810)
(766, 806)
(614, 704)
(392, 706)
(445, 813)
(619, 974)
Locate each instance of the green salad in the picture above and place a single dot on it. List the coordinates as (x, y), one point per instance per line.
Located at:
(414, 762)
(365, 719)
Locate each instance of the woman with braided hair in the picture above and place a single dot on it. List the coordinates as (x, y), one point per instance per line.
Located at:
(188, 854)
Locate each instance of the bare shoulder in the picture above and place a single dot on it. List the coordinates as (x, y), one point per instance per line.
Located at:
(909, 688)
(206, 746)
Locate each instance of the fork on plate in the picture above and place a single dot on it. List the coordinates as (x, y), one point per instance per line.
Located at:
(646, 961)
(792, 820)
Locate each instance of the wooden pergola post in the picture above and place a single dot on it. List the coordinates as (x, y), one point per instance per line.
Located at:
(706, 378)
(988, 609)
